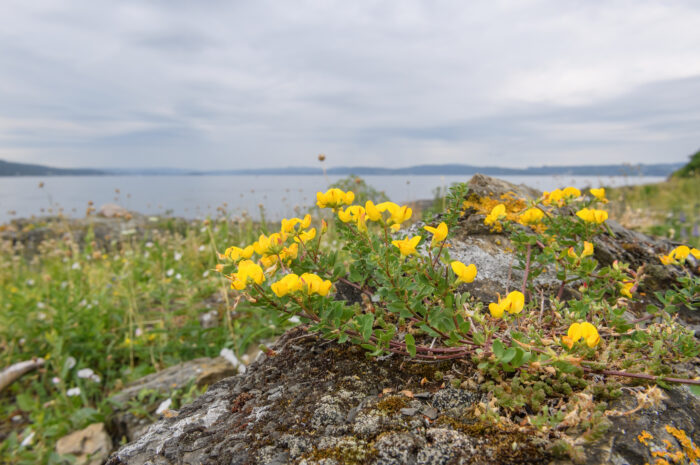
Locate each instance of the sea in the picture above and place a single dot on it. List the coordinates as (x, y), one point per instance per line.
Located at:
(234, 196)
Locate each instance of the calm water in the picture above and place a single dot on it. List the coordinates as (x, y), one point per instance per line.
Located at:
(199, 196)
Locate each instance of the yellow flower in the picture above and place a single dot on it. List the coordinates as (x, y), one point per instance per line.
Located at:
(571, 193)
(513, 303)
(599, 194)
(559, 196)
(398, 214)
(219, 267)
(289, 253)
(352, 213)
(587, 251)
(372, 212)
(236, 253)
(407, 246)
(306, 236)
(439, 233)
(288, 284)
(334, 198)
(679, 254)
(314, 284)
(288, 225)
(592, 216)
(270, 245)
(627, 289)
(247, 271)
(498, 212)
(531, 216)
(465, 274)
(583, 330)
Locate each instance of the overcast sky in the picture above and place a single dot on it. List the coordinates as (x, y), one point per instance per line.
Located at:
(224, 84)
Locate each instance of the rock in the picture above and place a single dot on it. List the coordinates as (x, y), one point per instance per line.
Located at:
(202, 371)
(112, 210)
(91, 445)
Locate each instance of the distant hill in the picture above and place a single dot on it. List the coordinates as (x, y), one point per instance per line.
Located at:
(8, 168)
(664, 169)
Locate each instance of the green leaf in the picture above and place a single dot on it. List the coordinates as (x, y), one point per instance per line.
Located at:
(410, 344)
(498, 349)
(25, 402)
(508, 355)
(695, 389)
(366, 322)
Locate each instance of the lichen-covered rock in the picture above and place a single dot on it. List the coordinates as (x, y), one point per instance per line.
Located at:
(304, 405)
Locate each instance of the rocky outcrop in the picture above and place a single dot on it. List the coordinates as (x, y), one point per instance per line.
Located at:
(313, 401)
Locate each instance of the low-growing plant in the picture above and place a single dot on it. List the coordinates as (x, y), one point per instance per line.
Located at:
(413, 299)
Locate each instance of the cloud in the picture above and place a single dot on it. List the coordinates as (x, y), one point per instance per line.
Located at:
(274, 83)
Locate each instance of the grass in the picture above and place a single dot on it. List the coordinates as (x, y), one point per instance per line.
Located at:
(669, 209)
(123, 308)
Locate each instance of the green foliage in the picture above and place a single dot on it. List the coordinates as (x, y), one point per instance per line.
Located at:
(692, 169)
(123, 308)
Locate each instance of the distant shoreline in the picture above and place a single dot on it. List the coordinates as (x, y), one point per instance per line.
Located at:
(10, 169)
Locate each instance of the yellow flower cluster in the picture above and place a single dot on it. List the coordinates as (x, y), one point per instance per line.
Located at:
(531, 216)
(334, 198)
(583, 330)
(599, 194)
(559, 196)
(307, 282)
(498, 212)
(272, 249)
(512, 303)
(360, 215)
(679, 255)
(592, 216)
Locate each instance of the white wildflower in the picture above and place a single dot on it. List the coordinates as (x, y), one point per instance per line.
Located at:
(76, 266)
(177, 256)
(205, 274)
(170, 272)
(70, 363)
(202, 248)
(72, 392)
(55, 380)
(178, 276)
(149, 244)
(27, 441)
(85, 373)
(294, 319)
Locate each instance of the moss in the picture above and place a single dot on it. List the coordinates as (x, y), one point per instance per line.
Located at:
(392, 404)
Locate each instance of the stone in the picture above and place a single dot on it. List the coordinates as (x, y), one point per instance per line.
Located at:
(91, 445)
(112, 210)
(202, 371)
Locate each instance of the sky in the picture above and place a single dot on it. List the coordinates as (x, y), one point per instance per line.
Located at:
(229, 84)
